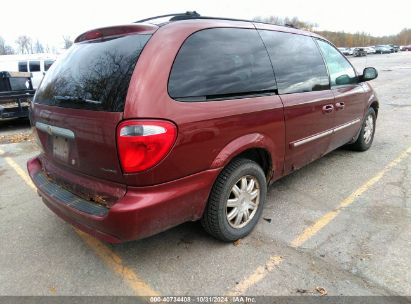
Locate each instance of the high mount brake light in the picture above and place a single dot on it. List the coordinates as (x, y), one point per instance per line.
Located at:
(114, 31)
(143, 144)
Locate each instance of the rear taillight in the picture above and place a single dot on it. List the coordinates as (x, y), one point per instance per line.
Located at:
(143, 144)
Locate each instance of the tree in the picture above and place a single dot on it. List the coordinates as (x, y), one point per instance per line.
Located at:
(38, 47)
(25, 44)
(290, 21)
(341, 39)
(67, 42)
(4, 48)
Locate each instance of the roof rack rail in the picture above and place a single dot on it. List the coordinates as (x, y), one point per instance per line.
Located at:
(290, 25)
(195, 15)
(175, 17)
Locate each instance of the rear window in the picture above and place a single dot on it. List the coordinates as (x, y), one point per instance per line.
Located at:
(221, 63)
(19, 84)
(93, 75)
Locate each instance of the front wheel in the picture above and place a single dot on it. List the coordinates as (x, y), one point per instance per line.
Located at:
(366, 137)
(236, 201)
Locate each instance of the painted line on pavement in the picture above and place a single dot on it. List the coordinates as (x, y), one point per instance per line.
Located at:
(109, 257)
(312, 230)
(262, 271)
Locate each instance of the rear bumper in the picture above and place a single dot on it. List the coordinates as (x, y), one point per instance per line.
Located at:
(141, 212)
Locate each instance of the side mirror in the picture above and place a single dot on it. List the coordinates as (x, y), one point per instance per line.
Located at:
(369, 73)
(343, 79)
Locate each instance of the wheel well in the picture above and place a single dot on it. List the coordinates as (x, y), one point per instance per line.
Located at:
(261, 157)
(375, 105)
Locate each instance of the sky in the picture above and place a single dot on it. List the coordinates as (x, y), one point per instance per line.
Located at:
(49, 20)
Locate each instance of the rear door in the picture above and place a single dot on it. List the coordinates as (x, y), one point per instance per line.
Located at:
(81, 101)
(304, 88)
(349, 95)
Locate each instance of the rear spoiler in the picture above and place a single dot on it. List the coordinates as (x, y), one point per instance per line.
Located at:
(116, 31)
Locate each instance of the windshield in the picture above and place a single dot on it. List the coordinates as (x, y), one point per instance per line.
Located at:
(93, 75)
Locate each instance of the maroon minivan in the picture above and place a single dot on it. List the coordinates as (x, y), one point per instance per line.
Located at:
(146, 126)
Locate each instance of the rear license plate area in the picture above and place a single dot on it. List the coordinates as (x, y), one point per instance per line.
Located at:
(60, 148)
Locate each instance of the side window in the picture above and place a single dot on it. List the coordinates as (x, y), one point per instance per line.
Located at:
(221, 63)
(47, 64)
(297, 62)
(34, 66)
(341, 71)
(23, 66)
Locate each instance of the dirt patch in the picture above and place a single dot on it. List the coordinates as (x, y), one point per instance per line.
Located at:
(17, 138)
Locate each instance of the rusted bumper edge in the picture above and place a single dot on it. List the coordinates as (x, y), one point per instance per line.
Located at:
(140, 213)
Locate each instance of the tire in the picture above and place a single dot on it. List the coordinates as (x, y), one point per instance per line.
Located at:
(364, 140)
(216, 215)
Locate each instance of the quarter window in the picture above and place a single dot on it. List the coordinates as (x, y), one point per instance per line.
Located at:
(297, 62)
(221, 63)
(341, 71)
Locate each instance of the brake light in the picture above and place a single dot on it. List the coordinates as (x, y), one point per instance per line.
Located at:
(114, 31)
(143, 144)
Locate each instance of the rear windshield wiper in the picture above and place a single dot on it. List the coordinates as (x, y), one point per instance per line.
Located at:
(75, 99)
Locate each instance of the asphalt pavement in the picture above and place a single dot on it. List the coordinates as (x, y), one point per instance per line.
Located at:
(340, 226)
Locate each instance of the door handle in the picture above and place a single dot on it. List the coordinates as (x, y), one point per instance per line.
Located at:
(339, 106)
(328, 108)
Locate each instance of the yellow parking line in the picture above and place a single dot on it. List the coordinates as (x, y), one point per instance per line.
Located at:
(262, 271)
(312, 230)
(19, 170)
(110, 258)
(259, 274)
(115, 263)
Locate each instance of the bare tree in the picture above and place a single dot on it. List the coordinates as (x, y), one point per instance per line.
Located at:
(341, 38)
(25, 44)
(4, 48)
(291, 21)
(67, 42)
(38, 47)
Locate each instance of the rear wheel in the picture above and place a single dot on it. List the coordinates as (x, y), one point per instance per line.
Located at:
(236, 201)
(366, 137)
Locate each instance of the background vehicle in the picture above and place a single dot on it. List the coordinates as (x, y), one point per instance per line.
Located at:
(359, 52)
(16, 92)
(345, 51)
(406, 48)
(36, 64)
(350, 51)
(189, 122)
(382, 49)
(392, 50)
(394, 47)
(370, 50)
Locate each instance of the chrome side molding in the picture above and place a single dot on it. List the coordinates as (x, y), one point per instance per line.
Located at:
(347, 125)
(306, 140)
